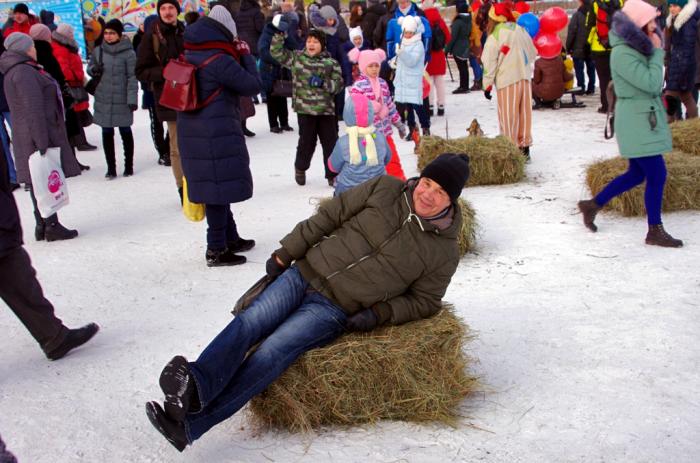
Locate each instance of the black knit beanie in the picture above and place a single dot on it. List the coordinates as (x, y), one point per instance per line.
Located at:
(318, 35)
(450, 171)
(172, 2)
(21, 8)
(115, 25)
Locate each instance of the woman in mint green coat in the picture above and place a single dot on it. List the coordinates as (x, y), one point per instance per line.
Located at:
(637, 67)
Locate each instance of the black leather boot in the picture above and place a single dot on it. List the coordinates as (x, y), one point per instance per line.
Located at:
(54, 231)
(128, 143)
(40, 228)
(110, 157)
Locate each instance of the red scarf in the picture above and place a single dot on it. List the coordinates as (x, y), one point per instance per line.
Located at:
(225, 47)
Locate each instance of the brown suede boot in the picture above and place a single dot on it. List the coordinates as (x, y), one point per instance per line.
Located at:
(589, 209)
(657, 236)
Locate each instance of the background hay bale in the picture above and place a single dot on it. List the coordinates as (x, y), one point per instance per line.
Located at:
(686, 136)
(492, 161)
(467, 234)
(682, 191)
(413, 372)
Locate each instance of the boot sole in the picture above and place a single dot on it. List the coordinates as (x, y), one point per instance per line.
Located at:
(174, 381)
(654, 243)
(61, 238)
(226, 264)
(154, 415)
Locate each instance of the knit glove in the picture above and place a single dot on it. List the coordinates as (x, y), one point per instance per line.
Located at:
(241, 47)
(273, 267)
(487, 92)
(280, 23)
(365, 320)
(315, 81)
(402, 131)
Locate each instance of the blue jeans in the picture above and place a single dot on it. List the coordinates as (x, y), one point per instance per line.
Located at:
(221, 226)
(5, 116)
(288, 319)
(579, 64)
(653, 169)
(476, 67)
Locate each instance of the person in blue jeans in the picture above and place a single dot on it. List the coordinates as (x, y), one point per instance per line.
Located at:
(344, 269)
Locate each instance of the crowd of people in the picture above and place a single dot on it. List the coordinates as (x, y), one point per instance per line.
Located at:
(384, 70)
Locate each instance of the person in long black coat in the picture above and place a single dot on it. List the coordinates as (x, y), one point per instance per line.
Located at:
(250, 22)
(370, 20)
(20, 289)
(681, 36)
(271, 71)
(214, 155)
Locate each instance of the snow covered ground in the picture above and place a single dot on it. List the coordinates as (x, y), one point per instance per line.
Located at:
(587, 342)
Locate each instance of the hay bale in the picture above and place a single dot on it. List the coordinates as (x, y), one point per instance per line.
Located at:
(414, 372)
(492, 161)
(686, 136)
(467, 234)
(682, 191)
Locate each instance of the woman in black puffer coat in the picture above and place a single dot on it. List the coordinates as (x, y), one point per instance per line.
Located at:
(212, 145)
(682, 34)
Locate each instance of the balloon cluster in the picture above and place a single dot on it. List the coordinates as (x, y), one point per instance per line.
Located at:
(545, 30)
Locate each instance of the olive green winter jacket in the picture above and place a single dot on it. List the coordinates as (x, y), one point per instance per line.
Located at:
(368, 249)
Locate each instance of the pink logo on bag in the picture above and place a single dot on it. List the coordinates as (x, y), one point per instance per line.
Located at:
(54, 181)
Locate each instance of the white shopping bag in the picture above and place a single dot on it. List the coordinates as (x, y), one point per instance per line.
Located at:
(48, 181)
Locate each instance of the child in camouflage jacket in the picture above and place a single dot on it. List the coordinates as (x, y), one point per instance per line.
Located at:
(316, 80)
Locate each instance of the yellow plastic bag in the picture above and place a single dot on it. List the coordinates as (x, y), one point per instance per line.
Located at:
(569, 66)
(193, 211)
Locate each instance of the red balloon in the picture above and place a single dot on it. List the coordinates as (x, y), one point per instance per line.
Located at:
(548, 44)
(553, 19)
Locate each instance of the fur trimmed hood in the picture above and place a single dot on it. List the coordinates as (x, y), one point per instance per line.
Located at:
(627, 32)
(688, 11)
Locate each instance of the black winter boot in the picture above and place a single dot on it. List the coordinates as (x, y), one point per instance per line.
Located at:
(657, 236)
(40, 229)
(240, 245)
(110, 157)
(179, 388)
(441, 110)
(589, 208)
(477, 85)
(54, 231)
(128, 143)
(172, 430)
(223, 258)
(74, 338)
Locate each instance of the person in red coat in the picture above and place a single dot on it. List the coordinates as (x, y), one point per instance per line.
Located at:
(20, 21)
(437, 66)
(67, 53)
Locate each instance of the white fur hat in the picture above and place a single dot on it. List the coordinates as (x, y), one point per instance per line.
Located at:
(409, 23)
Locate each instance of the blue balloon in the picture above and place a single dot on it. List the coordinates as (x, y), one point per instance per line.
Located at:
(530, 23)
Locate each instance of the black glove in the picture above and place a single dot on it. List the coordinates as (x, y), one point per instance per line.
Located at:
(273, 268)
(133, 107)
(365, 320)
(280, 23)
(487, 94)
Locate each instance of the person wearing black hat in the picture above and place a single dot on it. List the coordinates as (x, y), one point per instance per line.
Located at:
(116, 97)
(390, 260)
(20, 21)
(163, 41)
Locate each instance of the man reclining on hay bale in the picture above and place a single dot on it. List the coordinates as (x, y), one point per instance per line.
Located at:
(382, 252)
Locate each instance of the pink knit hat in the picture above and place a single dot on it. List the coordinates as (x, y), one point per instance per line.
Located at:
(366, 57)
(639, 11)
(40, 32)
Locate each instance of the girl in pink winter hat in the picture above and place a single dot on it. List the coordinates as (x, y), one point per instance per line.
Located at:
(377, 92)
